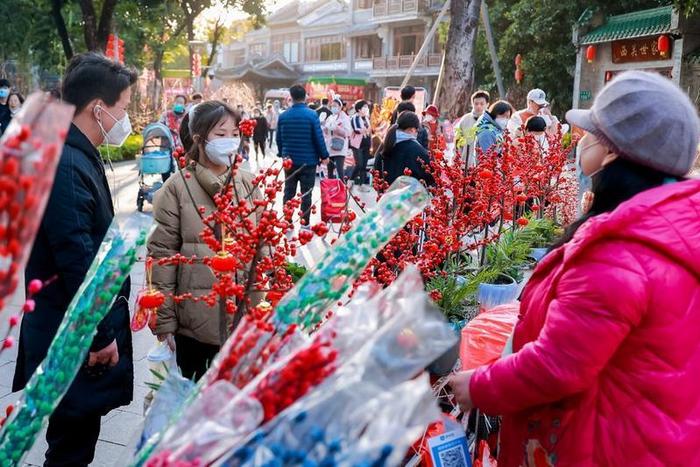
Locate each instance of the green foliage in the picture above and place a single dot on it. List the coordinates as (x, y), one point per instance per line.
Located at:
(453, 295)
(545, 232)
(510, 253)
(295, 270)
(541, 30)
(126, 152)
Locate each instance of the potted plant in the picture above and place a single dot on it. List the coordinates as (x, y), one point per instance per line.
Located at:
(545, 233)
(504, 270)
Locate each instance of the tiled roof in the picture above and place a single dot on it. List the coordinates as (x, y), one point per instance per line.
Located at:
(631, 25)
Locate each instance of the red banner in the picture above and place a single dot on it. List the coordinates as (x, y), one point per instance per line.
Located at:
(347, 92)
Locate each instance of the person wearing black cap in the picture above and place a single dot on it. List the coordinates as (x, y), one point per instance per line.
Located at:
(5, 113)
(606, 351)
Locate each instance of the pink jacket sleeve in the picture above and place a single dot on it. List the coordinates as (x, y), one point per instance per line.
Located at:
(596, 303)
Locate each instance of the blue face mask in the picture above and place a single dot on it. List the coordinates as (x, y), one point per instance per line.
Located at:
(4, 92)
(179, 108)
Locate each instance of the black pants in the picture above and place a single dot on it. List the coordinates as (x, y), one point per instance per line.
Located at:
(193, 357)
(305, 176)
(359, 175)
(271, 135)
(259, 145)
(336, 163)
(71, 440)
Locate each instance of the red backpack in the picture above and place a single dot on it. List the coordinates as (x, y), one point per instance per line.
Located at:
(334, 199)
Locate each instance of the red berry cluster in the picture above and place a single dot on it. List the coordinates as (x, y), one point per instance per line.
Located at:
(304, 371)
(247, 127)
(477, 202)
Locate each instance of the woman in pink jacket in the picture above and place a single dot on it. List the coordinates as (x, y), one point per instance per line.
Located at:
(606, 362)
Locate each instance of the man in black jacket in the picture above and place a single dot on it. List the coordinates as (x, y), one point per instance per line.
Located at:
(5, 114)
(77, 216)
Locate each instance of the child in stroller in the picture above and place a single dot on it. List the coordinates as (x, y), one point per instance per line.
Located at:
(156, 162)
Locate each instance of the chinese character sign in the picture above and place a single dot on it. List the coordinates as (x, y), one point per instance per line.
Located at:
(638, 50)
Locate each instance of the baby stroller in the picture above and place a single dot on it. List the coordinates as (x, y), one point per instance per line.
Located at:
(156, 162)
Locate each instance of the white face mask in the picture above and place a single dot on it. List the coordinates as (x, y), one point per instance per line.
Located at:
(222, 151)
(119, 132)
(502, 122)
(428, 119)
(365, 111)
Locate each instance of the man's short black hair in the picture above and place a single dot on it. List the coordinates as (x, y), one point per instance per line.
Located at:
(4, 83)
(535, 123)
(324, 101)
(91, 76)
(298, 93)
(405, 106)
(407, 92)
(481, 94)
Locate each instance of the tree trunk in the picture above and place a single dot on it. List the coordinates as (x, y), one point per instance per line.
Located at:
(157, 84)
(216, 37)
(61, 28)
(89, 24)
(459, 59)
(105, 26)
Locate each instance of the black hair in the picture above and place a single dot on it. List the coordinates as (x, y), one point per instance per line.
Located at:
(481, 94)
(405, 121)
(405, 107)
(535, 123)
(4, 83)
(298, 93)
(19, 96)
(619, 181)
(181, 95)
(500, 108)
(197, 95)
(205, 117)
(324, 101)
(91, 76)
(359, 104)
(407, 92)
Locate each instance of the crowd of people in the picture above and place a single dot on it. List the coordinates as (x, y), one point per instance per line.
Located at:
(606, 351)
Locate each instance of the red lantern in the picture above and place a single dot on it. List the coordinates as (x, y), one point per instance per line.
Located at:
(152, 299)
(519, 75)
(608, 76)
(590, 53)
(518, 60)
(223, 262)
(664, 45)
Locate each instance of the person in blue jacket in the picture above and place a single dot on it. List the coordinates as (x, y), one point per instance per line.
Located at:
(492, 125)
(300, 138)
(77, 217)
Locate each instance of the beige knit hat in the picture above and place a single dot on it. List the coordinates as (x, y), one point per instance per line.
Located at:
(646, 118)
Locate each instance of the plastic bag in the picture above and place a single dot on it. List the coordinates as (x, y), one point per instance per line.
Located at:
(485, 337)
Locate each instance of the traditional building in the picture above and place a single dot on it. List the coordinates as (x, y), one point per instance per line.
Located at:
(356, 47)
(657, 40)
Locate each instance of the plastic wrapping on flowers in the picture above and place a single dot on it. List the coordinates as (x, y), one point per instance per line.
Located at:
(29, 153)
(49, 383)
(263, 338)
(347, 375)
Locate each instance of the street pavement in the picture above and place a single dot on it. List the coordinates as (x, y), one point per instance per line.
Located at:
(121, 427)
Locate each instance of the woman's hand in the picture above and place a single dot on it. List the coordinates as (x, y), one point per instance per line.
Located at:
(169, 338)
(459, 382)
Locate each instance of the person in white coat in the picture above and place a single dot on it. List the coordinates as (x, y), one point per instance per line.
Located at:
(537, 105)
(337, 130)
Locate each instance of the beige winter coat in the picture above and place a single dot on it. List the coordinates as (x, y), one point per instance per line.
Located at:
(178, 229)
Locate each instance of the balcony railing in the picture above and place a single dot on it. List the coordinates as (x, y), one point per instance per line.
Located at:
(395, 7)
(400, 62)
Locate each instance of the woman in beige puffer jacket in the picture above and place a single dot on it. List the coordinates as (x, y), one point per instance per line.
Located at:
(211, 137)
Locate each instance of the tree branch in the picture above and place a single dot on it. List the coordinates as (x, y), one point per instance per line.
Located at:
(61, 28)
(90, 24)
(216, 37)
(105, 26)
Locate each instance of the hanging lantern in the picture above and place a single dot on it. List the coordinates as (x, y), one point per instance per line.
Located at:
(590, 53)
(664, 45)
(518, 60)
(223, 262)
(147, 302)
(519, 75)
